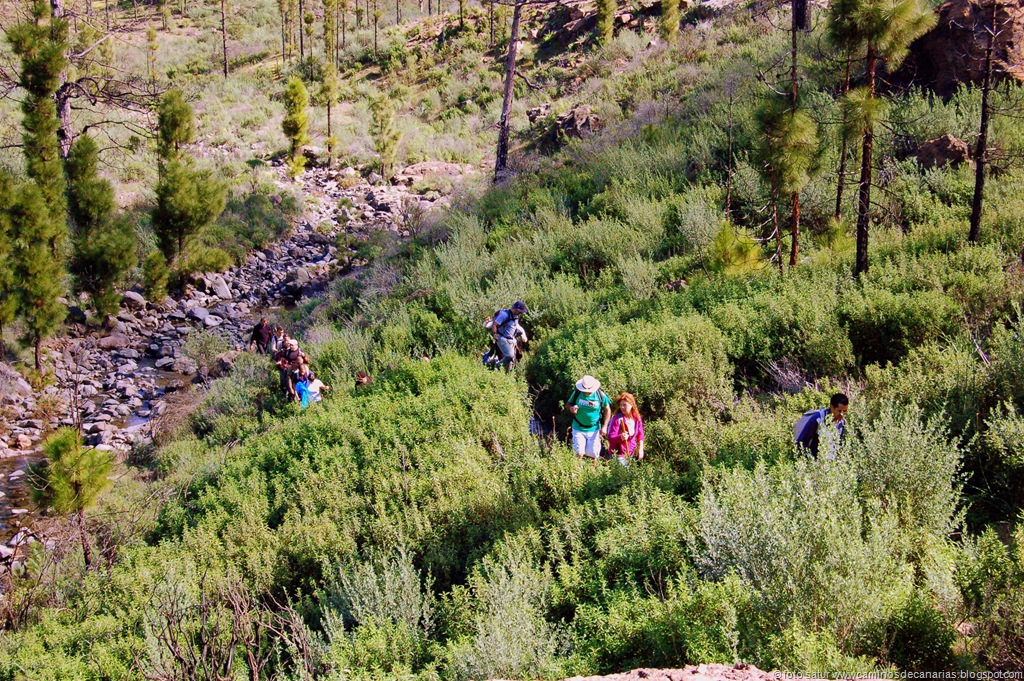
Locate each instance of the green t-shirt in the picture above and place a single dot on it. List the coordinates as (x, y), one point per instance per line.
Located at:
(588, 418)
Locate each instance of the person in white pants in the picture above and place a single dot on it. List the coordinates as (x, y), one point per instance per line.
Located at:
(591, 410)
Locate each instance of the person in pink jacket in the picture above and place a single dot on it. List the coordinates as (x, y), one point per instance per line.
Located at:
(626, 430)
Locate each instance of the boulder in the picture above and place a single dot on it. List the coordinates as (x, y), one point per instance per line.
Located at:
(220, 288)
(576, 124)
(416, 172)
(538, 112)
(211, 321)
(115, 341)
(133, 300)
(198, 313)
(953, 53)
(943, 151)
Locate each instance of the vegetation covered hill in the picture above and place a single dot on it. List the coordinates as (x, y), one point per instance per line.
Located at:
(416, 527)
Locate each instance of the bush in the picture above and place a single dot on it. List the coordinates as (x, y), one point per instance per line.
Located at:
(155, 275)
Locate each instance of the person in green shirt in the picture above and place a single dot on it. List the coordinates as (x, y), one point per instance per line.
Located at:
(591, 410)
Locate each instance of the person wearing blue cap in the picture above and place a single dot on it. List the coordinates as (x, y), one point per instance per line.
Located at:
(505, 329)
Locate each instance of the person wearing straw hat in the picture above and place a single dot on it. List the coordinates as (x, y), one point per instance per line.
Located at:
(591, 409)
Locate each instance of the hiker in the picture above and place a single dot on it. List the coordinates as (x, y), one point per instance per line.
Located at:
(506, 332)
(591, 410)
(288, 360)
(261, 335)
(277, 341)
(831, 419)
(315, 387)
(626, 430)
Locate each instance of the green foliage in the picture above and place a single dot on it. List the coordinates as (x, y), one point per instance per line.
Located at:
(787, 147)
(8, 290)
(105, 248)
(187, 201)
(204, 347)
(296, 123)
(41, 44)
(175, 124)
(36, 267)
(155, 276)
(386, 136)
(606, 21)
(919, 637)
(669, 25)
(71, 478)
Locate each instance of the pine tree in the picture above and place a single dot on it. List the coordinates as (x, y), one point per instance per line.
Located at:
(669, 19)
(71, 479)
(329, 92)
(884, 29)
(41, 44)
(296, 123)
(151, 50)
(36, 266)
(330, 30)
(386, 136)
(8, 303)
(187, 200)
(104, 247)
(175, 123)
(784, 155)
(606, 21)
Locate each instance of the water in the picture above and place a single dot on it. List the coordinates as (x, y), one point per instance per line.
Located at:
(16, 503)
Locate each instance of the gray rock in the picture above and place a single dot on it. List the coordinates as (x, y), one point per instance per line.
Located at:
(115, 341)
(198, 313)
(211, 321)
(133, 300)
(221, 289)
(165, 363)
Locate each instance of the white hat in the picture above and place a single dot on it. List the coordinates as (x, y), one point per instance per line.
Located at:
(588, 384)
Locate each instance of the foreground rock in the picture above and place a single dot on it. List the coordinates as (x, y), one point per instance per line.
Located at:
(704, 672)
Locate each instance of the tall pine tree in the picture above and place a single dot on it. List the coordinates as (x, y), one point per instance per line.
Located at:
(296, 123)
(35, 265)
(8, 302)
(41, 44)
(104, 247)
(884, 30)
(187, 200)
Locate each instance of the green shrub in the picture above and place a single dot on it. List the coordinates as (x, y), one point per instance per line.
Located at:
(155, 275)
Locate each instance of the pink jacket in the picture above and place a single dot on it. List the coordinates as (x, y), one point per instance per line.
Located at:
(617, 428)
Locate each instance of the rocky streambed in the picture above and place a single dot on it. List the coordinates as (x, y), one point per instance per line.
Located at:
(111, 381)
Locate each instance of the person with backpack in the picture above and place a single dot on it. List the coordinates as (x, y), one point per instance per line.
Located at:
(278, 340)
(830, 421)
(506, 333)
(591, 409)
(261, 335)
(626, 430)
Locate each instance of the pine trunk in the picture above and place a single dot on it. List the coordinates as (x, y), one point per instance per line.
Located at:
(794, 222)
(864, 191)
(981, 150)
(224, 33)
(501, 161)
(84, 538)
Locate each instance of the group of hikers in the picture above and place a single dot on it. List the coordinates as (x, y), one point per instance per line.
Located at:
(298, 382)
(594, 415)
